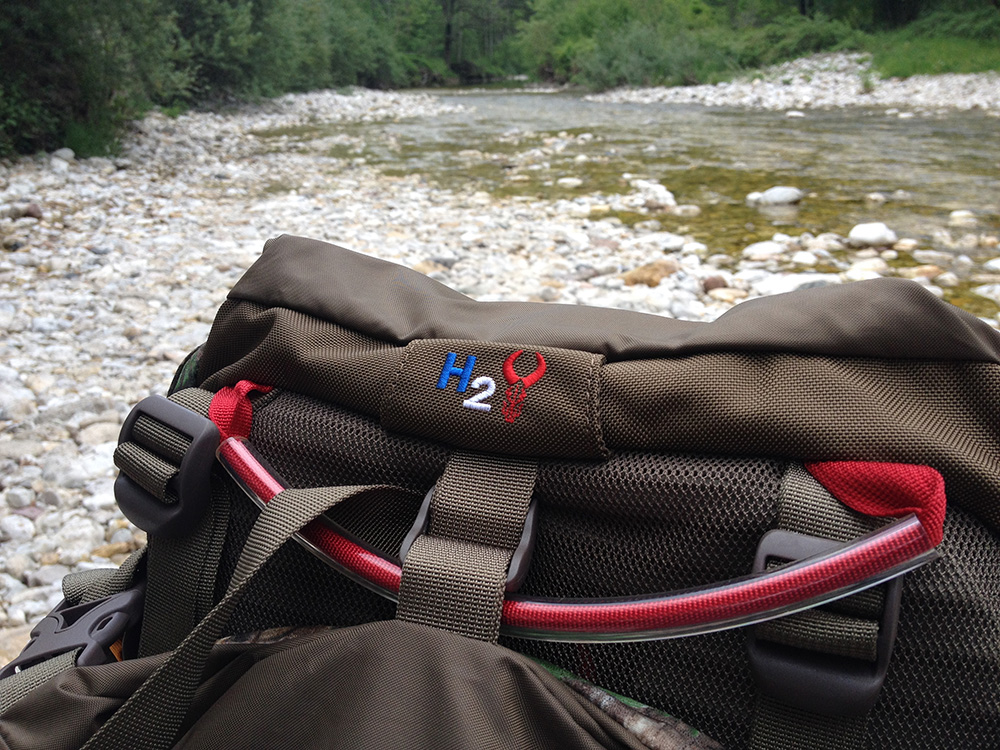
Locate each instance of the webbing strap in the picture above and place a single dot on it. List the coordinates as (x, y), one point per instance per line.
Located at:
(91, 585)
(848, 628)
(454, 575)
(182, 570)
(152, 716)
(780, 727)
(15, 687)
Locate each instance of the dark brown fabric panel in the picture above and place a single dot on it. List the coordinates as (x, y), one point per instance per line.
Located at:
(513, 420)
(288, 349)
(890, 318)
(945, 415)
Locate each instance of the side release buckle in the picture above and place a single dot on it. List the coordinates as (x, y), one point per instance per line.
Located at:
(191, 484)
(812, 681)
(92, 628)
(520, 560)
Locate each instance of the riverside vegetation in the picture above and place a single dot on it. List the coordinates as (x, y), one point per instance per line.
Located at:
(75, 73)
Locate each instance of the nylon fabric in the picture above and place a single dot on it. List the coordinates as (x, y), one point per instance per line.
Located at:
(152, 716)
(482, 499)
(808, 508)
(881, 318)
(779, 727)
(440, 690)
(91, 585)
(147, 470)
(762, 404)
(17, 686)
(182, 573)
(156, 436)
(454, 585)
(454, 575)
(827, 632)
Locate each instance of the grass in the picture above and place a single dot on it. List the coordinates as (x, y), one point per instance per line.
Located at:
(896, 56)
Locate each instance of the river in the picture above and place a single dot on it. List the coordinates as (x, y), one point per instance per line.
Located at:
(508, 142)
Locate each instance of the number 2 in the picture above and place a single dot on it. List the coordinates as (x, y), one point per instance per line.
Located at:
(477, 402)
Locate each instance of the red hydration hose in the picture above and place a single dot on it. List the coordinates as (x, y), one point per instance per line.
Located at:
(868, 561)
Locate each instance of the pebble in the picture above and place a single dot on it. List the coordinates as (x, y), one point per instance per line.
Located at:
(118, 273)
(872, 234)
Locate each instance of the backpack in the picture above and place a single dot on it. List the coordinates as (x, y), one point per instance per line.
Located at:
(382, 514)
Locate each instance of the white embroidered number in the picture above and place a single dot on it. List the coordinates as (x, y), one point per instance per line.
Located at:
(477, 401)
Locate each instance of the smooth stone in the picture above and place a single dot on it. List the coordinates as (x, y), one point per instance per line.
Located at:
(783, 283)
(804, 258)
(664, 241)
(66, 154)
(14, 528)
(19, 497)
(906, 245)
(780, 195)
(766, 250)
(48, 575)
(990, 291)
(569, 182)
(651, 274)
(962, 219)
(933, 257)
(872, 234)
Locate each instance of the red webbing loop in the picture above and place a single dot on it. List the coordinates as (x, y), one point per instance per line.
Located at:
(232, 410)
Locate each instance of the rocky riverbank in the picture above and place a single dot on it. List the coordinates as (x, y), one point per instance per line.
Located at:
(835, 80)
(111, 271)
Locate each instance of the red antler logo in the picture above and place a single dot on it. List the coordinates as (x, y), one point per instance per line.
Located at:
(513, 399)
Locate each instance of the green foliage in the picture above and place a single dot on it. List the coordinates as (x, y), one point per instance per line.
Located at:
(894, 57)
(74, 72)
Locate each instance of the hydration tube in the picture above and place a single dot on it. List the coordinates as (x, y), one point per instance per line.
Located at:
(870, 560)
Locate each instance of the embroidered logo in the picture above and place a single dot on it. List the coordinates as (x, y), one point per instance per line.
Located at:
(513, 400)
(515, 394)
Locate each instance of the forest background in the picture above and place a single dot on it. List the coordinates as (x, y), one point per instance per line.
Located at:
(73, 72)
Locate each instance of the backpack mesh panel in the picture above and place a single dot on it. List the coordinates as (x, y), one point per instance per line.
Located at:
(635, 524)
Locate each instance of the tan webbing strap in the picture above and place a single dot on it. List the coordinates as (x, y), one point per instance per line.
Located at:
(454, 575)
(847, 628)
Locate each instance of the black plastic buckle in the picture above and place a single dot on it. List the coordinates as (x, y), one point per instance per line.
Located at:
(91, 627)
(192, 483)
(520, 560)
(820, 683)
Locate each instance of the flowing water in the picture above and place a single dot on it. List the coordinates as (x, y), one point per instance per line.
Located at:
(519, 143)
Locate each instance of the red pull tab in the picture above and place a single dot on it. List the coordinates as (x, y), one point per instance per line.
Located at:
(232, 410)
(886, 489)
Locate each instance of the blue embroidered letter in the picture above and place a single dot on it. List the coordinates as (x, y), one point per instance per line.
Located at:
(463, 374)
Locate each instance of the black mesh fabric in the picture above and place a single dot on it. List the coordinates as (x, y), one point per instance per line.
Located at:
(638, 523)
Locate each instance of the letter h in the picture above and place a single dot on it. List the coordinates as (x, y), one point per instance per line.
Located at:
(462, 373)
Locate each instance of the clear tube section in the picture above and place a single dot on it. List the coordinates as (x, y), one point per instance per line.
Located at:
(868, 561)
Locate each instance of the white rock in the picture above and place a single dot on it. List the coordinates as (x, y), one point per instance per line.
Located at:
(570, 182)
(14, 528)
(19, 497)
(805, 258)
(663, 241)
(66, 154)
(962, 219)
(782, 283)
(766, 250)
(992, 265)
(779, 195)
(948, 280)
(873, 234)
(990, 291)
